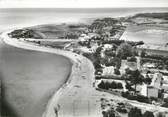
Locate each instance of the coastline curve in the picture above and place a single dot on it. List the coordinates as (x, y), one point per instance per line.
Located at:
(73, 57)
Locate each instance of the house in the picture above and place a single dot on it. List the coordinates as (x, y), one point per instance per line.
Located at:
(165, 87)
(107, 46)
(165, 95)
(155, 86)
(149, 65)
(143, 90)
(128, 65)
(157, 80)
(152, 91)
(84, 37)
(108, 70)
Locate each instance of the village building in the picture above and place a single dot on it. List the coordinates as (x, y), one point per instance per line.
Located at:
(127, 65)
(154, 88)
(149, 65)
(84, 37)
(108, 71)
(157, 80)
(165, 95)
(152, 91)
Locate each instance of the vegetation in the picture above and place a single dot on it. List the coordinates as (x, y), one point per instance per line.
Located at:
(108, 85)
(125, 50)
(137, 97)
(109, 113)
(132, 59)
(121, 109)
(161, 62)
(25, 33)
(147, 80)
(110, 53)
(135, 112)
(160, 114)
(134, 77)
(102, 26)
(116, 71)
(115, 61)
(165, 105)
(143, 53)
(148, 114)
(152, 15)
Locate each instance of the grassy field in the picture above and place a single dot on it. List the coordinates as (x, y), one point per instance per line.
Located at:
(52, 31)
(29, 79)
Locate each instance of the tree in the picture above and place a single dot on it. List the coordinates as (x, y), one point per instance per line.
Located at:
(116, 71)
(147, 80)
(105, 114)
(101, 85)
(111, 113)
(113, 85)
(160, 114)
(148, 114)
(107, 85)
(136, 78)
(121, 109)
(125, 50)
(135, 112)
(119, 85)
(97, 64)
(143, 53)
(139, 43)
(117, 62)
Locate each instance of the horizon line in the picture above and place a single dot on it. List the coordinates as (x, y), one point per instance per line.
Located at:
(81, 7)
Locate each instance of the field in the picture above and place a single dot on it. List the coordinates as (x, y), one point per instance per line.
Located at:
(52, 31)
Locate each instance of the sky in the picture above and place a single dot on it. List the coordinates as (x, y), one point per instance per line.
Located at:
(81, 3)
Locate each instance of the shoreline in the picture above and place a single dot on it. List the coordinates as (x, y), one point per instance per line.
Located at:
(30, 46)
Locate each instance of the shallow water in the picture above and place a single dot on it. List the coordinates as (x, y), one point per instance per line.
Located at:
(29, 79)
(153, 35)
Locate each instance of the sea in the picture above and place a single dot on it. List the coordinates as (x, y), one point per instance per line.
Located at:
(18, 17)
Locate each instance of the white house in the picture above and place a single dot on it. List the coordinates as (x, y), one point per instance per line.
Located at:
(108, 70)
(152, 91)
(157, 80)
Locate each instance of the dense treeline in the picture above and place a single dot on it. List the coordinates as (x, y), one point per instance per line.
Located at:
(152, 15)
(108, 85)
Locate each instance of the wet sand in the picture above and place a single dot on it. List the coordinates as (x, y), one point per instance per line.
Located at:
(148, 34)
(29, 79)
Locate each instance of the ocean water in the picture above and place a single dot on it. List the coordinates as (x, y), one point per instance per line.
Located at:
(18, 17)
(29, 79)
